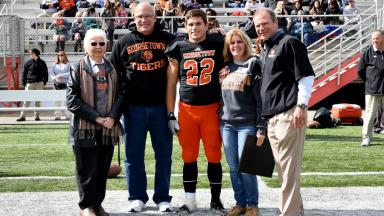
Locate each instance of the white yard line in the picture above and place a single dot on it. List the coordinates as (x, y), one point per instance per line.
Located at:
(202, 174)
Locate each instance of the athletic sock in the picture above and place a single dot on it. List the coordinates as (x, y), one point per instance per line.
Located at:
(190, 177)
(215, 175)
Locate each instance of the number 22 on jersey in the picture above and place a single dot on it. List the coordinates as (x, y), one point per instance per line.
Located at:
(193, 76)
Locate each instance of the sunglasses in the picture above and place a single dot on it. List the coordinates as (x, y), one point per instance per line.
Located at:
(60, 55)
(100, 44)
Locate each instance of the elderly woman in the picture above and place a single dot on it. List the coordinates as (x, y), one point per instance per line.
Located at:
(240, 116)
(95, 99)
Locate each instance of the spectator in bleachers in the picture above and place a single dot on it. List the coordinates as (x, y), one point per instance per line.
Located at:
(82, 4)
(297, 28)
(235, 4)
(131, 14)
(78, 30)
(181, 10)
(253, 5)
(108, 23)
(68, 7)
(132, 7)
(333, 9)
(205, 3)
(350, 11)
(158, 9)
(126, 3)
(49, 8)
(315, 11)
(271, 4)
(284, 22)
(193, 4)
(120, 23)
(96, 3)
(91, 18)
(296, 8)
(34, 77)
(248, 27)
(168, 10)
(60, 28)
(162, 3)
(212, 21)
(59, 74)
(323, 4)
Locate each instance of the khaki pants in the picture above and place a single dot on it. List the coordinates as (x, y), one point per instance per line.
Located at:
(287, 145)
(372, 106)
(28, 87)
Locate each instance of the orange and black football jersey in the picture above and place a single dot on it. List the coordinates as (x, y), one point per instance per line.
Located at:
(199, 65)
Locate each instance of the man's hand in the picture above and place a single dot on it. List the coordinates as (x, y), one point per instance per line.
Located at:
(173, 125)
(299, 117)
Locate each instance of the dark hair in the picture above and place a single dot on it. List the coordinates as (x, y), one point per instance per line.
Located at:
(91, 10)
(196, 13)
(36, 51)
(213, 12)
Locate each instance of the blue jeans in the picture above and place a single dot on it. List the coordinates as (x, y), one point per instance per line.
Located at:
(138, 120)
(244, 185)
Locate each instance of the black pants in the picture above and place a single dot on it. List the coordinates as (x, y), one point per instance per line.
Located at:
(92, 166)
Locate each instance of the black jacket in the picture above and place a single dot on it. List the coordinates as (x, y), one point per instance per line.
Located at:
(82, 110)
(35, 71)
(371, 71)
(142, 65)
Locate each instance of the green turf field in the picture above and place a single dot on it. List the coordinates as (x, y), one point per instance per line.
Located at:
(42, 150)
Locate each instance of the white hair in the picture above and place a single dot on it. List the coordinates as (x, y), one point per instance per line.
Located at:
(91, 33)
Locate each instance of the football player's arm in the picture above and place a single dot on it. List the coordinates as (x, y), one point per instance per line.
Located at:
(172, 77)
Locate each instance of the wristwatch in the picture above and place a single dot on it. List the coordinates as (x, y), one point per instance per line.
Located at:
(302, 106)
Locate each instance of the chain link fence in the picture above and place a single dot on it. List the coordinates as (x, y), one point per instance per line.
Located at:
(39, 32)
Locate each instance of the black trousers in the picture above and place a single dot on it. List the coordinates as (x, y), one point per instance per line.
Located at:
(92, 166)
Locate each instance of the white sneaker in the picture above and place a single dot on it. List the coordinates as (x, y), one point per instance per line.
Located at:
(165, 207)
(366, 141)
(136, 206)
(189, 206)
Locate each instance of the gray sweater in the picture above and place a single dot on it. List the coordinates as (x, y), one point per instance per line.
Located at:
(240, 94)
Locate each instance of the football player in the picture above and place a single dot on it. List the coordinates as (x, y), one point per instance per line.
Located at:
(195, 61)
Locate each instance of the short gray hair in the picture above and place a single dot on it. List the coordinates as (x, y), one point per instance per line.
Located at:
(93, 33)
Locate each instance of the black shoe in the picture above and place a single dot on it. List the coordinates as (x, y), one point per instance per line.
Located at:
(37, 118)
(217, 207)
(20, 119)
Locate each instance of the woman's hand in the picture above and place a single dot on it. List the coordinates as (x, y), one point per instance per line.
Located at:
(100, 120)
(260, 139)
(109, 122)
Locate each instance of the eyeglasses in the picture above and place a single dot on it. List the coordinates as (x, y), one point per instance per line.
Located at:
(143, 17)
(100, 44)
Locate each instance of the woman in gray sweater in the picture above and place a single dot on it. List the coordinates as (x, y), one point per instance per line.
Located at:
(240, 115)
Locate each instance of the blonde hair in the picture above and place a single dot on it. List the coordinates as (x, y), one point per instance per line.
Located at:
(246, 40)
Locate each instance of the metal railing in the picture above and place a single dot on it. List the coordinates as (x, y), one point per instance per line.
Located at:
(331, 51)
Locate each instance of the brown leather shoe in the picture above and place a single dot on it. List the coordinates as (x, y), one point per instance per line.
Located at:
(88, 212)
(101, 212)
(236, 211)
(252, 211)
